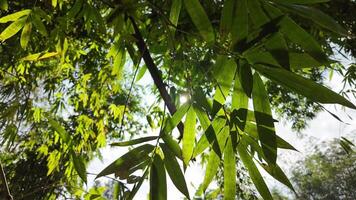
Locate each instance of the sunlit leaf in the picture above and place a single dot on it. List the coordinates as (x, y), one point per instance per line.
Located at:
(134, 141)
(229, 171)
(25, 35)
(12, 29)
(189, 135)
(14, 16)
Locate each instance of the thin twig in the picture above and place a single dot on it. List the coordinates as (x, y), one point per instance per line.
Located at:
(6, 186)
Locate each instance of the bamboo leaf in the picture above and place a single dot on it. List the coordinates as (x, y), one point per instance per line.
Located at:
(229, 171)
(15, 16)
(303, 86)
(25, 35)
(134, 141)
(59, 128)
(276, 172)
(277, 46)
(245, 77)
(318, 17)
(129, 160)
(253, 172)
(173, 121)
(175, 12)
(264, 120)
(37, 22)
(301, 1)
(189, 135)
(158, 185)
(240, 23)
(226, 19)
(12, 29)
(200, 20)
(79, 166)
(211, 169)
(174, 170)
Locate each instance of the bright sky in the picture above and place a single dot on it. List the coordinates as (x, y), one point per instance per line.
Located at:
(323, 127)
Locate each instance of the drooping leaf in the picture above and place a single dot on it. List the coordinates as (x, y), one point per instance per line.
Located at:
(37, 22)
(79, 166)
(141, 73)
(245, 77)
(189, 135)
(174, 170)
(200, 20)
(318, 17)
(134, 141)
(229, 171)
(277, 46)
(257, 15)
(240, 22)
(12, 29)
(276, 172)
(75, 9)
(15, 16)
(137, 186)
(158, 185)
(301, 1)
(224, 71)
(58, 128)
(210, 135)
(298, 35)
(264, 120)
(211, 169)
(25, 35)
(173, 121)
(172, 144)
(175, 12)
(129, 160)
(253, 172)
(226, 19)
(303, 86)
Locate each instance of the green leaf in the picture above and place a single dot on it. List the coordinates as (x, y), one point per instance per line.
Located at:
(54, 3)
(224, 71)
(303, 86)
(63, 134)
(174, 170)
(229, 171)
(15, 16)
(172, 144)
(4, 5)
(264, 119)
(173, 121)
(245, 77)
(141, 73)
(226, 19)
(12, 29)
(129, 160)
(75, 9)
(253, 172)
(175, 11)
(25, 35)
(200, 20)
(158, 185)
(37, 22)
(211, 169)
(301, 1)
(79, 166)
(298, 35)
(189, 135)
(318, 17)
(210, 135)
(137, 186)
(277, 46)
(240, 23)
(134, 141)
(257, 15)
(239, 97)
(276, 172)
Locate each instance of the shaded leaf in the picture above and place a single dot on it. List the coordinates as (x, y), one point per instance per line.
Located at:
(200, 20)
(264, 120)
(174, 170)
(253, 172)
(127, 161)
(303, 86)
(79, 166)
(25, 35)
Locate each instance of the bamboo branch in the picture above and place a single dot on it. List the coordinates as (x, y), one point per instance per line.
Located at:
(4, 183)
(152, 68)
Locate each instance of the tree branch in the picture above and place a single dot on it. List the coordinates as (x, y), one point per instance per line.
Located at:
(5, 185)
(152, 68)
